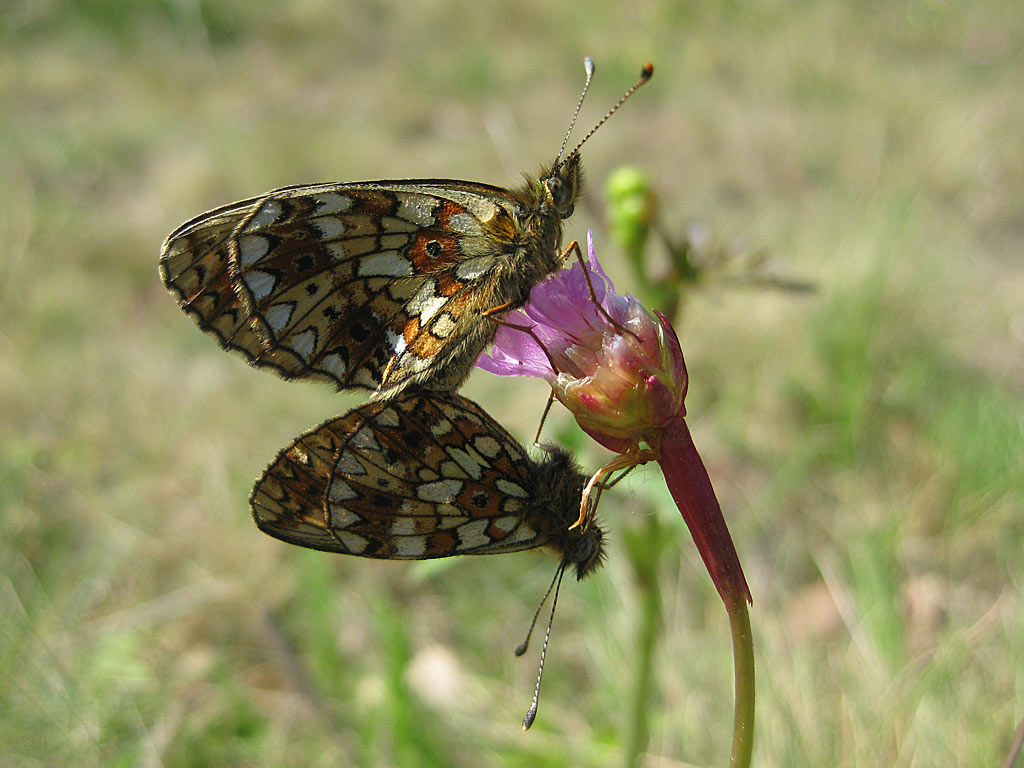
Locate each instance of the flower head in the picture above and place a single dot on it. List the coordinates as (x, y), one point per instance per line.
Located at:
(616, 366)
(619, 369)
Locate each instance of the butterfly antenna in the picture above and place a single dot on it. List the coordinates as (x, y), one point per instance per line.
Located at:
(645, 74)
(588, 65)
(531, 715)
(521, 648)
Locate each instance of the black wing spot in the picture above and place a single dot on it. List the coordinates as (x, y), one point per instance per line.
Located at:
(359, 332)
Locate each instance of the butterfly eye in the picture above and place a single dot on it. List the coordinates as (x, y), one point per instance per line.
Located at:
(557, 190)
(560, 193)
(587, 554)
(583, 551)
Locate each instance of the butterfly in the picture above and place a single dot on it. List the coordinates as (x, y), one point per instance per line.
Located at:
(419, 476)
(378, 285)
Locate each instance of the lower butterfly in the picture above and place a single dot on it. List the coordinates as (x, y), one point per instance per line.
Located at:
(374, 285)
(427, 475)
(420, 476)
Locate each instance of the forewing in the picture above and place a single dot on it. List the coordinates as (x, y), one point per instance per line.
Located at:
(420, 476)
(371, 285)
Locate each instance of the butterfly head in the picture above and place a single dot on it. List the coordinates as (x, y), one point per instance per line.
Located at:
(562, 185)
(587, 551)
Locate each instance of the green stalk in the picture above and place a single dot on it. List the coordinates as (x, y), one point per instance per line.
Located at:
(743, 663)
(644, 548)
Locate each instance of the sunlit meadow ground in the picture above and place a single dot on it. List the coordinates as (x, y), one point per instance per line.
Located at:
(865, 440)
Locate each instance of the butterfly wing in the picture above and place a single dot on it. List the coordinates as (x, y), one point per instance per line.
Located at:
(423, 475)
(373, 285)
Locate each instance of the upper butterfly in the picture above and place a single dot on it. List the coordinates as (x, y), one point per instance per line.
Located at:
(374, 285)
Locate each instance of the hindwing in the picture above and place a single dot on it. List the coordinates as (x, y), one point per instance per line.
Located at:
(422, 475)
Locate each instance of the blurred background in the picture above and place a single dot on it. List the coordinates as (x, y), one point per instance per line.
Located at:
(865, 438)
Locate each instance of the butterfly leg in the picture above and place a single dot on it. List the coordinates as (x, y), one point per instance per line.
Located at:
(495, 310)
(526, 329)
(551, 362)
(574, 249)
(631, 458)
(543, 418)
(612, 483)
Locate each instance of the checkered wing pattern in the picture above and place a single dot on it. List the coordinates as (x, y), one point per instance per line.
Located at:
(423, 475)
(372, 285)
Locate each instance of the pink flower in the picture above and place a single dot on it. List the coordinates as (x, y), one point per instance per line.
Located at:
(617, 367)
(619, 370)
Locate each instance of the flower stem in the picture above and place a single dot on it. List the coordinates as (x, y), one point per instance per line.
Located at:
(690, 486)
(691, 489)
(743, 663)
(644, 548)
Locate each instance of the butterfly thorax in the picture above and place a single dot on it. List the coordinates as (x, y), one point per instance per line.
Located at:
(555, 504)
(545, 200)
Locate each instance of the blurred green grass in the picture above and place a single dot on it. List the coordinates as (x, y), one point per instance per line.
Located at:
(865, 442)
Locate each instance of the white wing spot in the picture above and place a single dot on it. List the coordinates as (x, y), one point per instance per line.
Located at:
(522, 533)
(303, 343)
(473, 534)
(384, 264)
(467, 223)
(252, 248)
(259, 283)
(426, 301)
(452, 469)
(331, 202)
(511, 489)
(403, 526)
(352, 542)
(337, 251)
(387, 418)
(443, 326)
(329, 227)
(365, 440)
(277, 316)
(342, 517)
(487, 446)
(471, 466)
(506, 524)
(341, 491)
(410, 546)
(396, 341)
(440, 492)
(349, 464)
(441, 428)
(417, 209)
(268, 212)
(334, 365)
